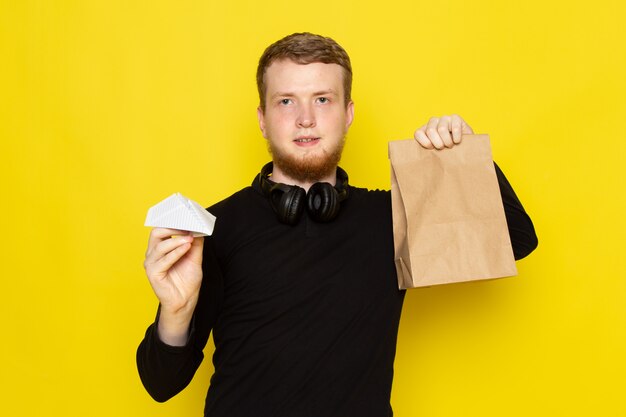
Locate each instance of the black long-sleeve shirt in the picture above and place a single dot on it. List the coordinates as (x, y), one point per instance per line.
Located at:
(304, 317)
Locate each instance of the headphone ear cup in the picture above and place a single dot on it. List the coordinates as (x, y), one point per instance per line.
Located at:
(323, 202)
(288, 204)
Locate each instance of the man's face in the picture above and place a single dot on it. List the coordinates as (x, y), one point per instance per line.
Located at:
(305, 119)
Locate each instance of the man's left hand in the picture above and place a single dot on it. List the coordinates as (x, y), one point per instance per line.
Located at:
(442, 132)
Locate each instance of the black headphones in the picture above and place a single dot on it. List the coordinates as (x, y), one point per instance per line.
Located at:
(288, 201)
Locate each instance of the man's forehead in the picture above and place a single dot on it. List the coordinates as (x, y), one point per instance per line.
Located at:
(286, 70)
(301, 63)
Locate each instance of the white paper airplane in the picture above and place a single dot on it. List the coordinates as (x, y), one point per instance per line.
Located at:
(179, 212)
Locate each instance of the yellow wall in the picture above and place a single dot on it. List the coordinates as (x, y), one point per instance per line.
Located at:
(106, 107)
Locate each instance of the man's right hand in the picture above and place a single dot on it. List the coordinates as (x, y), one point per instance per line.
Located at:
(173, 265)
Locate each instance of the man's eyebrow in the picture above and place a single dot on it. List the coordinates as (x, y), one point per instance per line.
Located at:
(281, 94)
(329, 91)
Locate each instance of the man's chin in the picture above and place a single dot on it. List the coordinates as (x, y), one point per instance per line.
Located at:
(307, 168)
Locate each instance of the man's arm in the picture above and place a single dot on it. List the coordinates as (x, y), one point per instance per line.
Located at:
(521, 229)
(173, 265)
(171, 351)
(166, 370)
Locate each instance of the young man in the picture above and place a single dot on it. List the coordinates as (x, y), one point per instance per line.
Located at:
(297, 283)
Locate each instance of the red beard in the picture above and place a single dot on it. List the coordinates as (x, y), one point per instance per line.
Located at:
(307, 168)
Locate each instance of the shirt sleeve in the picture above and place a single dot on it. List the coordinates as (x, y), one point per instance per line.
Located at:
(521, 229)
(166, 370)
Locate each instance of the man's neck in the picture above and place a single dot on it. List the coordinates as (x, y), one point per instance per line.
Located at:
(281, 177)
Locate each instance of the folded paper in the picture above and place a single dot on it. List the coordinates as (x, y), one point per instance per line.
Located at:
(448, 218)
(179, 212)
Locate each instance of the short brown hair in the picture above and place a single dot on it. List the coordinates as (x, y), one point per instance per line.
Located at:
(305, 48)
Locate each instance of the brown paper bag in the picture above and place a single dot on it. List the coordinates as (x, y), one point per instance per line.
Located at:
(448, 218)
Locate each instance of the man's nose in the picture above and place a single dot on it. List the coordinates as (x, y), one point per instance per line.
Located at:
(306, 117)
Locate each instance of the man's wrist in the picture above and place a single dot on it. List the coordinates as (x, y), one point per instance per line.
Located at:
(173, 328)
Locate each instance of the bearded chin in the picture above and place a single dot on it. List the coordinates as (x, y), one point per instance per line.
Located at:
(307, 168)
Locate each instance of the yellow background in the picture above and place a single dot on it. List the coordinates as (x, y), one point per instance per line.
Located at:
(107, 107)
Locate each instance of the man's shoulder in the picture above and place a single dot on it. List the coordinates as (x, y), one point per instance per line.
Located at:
(368, 194)
(370, 200)
(236, 201)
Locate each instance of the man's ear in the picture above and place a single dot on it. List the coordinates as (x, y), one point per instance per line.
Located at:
(261, 116)
(349, 114)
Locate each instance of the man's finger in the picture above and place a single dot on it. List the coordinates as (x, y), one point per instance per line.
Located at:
(160, 233)
(162, 250)
(434, 138)
(465, 128)
(431, 132)
(422, 139)
(165, 246)
(167, 261)
(456, 124)
(197, 244)
(443, 129)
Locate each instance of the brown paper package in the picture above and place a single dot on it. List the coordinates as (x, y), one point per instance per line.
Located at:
(448, 218)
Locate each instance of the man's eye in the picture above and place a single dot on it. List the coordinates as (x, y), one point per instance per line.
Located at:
(285, 101)
(322, 100)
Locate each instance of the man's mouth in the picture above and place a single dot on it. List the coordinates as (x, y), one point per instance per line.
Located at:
(306, 139)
